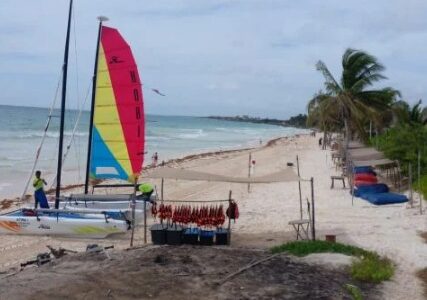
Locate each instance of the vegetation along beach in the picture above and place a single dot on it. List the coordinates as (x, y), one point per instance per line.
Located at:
(215, 149)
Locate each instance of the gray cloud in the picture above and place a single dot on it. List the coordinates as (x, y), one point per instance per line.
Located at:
(214, 57)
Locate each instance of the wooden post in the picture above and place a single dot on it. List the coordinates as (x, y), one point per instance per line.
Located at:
(161, 189)
(411, 196)
(229, 220)
(351, 182)
(398, 180)
(249, 171)
(299, 188)
(419, 182)
(133, 204)
(145, 222)
(313, 229)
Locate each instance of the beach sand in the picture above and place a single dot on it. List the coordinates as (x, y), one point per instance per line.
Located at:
(393, 231)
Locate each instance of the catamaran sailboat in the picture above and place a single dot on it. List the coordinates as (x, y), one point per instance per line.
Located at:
(116, 145)
(116, 137)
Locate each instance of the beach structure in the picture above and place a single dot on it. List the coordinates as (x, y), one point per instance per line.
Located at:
(285, 175)
(359, 167)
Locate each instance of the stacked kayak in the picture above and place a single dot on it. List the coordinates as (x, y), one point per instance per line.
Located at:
(60, 222)
(364, 176)
(368, 188)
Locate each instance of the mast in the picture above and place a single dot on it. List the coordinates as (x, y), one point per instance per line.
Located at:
(64, 93)
(92, 106)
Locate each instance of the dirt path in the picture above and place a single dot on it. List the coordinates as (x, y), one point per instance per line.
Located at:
(183, 272)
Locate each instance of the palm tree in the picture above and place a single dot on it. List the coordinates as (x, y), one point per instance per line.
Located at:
(413, 116)
(424, 115)
(322, 114)
(351, 96)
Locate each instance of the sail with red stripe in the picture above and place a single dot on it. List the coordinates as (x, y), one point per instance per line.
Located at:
(118, 131)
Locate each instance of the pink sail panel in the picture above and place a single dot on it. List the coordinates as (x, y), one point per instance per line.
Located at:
(126, 86)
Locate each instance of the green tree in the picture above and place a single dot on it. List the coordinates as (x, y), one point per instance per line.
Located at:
(323, 114)
(413, 116)
(352, 97)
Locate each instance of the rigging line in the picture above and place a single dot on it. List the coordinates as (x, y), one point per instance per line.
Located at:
(80, 107)
(39, 148)
(73, 132)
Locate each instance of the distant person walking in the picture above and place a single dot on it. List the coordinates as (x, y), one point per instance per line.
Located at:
(155, 159)
(320, 142)
(39, 195)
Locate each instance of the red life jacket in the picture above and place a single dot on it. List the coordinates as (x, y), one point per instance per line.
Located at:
(233, 211)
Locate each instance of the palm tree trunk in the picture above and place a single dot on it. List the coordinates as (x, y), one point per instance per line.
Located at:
(347, 133)
(325, 136)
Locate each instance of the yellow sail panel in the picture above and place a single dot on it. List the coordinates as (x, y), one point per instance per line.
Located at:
(109, 157)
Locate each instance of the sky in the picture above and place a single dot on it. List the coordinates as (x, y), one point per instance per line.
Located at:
(213, 57)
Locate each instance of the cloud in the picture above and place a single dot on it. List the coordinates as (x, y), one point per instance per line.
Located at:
(213, 56)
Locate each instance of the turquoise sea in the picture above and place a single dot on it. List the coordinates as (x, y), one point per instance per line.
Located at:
(21, 129)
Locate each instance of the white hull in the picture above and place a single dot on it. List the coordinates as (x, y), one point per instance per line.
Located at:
(62, 224)
(103, 205)
(109, 203)
(127, 212)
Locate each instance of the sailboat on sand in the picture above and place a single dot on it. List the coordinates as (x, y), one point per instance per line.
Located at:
(116, 133)
(116, 145)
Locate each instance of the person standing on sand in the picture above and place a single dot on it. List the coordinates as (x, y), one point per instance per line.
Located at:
(155, 158)
(39, 195)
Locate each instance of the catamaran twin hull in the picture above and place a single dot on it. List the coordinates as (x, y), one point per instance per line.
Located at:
(61, 224)
(116, 206)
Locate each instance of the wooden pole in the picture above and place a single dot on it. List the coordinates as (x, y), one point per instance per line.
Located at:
(299, 188)
(145, 222)
(419, 182)
(229, 220)
(249, 171)
(352, 185)
(398, 180)
(227, 278)
(313, 229)
(411, 196)
(161, 189)
(133, 204)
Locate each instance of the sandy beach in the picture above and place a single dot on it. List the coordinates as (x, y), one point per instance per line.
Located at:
(393, 231)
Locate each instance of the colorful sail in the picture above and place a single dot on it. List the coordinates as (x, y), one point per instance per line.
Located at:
(118, 131)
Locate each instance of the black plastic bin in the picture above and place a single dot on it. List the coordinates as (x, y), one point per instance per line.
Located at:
(221, 236)
(174, 235)
(158, 234)
(207, 237)
(191, 236)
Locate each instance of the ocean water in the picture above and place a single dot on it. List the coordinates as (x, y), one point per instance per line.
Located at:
(21, 129)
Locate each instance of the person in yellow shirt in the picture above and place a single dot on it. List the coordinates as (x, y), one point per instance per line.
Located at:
(39, 195)
(146, 190)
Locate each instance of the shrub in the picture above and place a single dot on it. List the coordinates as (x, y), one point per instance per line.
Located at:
(370, 267)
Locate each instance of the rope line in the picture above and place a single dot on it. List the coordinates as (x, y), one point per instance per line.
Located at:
(39, 148)
(70, 142)
(194, 201)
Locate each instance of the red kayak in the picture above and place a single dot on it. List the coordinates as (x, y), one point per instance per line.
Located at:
(366, 177)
